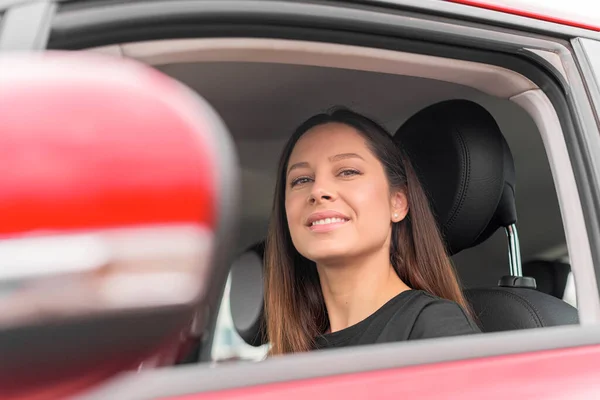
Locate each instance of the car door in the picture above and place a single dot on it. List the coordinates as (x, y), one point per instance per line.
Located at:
(556, 363)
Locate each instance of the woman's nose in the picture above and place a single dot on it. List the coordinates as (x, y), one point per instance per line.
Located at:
(321, 191)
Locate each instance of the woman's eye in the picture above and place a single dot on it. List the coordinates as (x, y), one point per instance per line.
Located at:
(349, 172)
(299, 181)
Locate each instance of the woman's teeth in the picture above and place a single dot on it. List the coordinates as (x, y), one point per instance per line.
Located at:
(328, 221)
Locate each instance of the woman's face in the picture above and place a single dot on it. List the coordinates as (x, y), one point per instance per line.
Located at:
(337, 197)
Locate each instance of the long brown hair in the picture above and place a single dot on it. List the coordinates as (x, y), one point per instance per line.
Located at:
(294, 305)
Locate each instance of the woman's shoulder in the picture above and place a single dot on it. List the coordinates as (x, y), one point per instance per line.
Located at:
(437, 317)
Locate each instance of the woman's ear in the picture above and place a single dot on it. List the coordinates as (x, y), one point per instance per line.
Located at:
(399, 206)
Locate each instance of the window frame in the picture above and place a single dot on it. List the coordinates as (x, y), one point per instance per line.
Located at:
(455, 9)
(25, 26)
(587, 52)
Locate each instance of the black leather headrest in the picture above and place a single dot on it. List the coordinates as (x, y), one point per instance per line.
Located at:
(465, 166)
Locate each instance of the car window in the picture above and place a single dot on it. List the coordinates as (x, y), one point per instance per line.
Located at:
(260, 140)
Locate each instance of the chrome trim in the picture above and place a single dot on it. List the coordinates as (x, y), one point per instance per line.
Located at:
(514, 250)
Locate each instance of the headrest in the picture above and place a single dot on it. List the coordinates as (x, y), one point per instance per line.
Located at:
(465, 167)
(246, 295)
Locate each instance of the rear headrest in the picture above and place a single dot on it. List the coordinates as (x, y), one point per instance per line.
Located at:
(466, 168)
(246, 295)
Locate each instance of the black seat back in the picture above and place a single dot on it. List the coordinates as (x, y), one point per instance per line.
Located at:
(505, 308)
(465, 165)
(551, 276)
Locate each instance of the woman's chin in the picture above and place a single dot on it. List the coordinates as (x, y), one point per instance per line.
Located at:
(330, 256)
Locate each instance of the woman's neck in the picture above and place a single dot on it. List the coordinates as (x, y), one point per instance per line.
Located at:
(357, 289)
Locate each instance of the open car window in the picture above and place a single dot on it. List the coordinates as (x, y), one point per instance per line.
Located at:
(541, 230)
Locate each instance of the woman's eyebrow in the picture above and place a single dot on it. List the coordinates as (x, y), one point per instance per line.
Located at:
(344, 156)
(302, 164)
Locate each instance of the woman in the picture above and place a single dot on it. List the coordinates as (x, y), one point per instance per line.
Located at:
(353, 254)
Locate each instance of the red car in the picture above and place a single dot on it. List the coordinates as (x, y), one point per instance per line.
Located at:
(263, 67)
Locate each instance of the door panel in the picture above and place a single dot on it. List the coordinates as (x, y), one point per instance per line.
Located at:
(557, 374)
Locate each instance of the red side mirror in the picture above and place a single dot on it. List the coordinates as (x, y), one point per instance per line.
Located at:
(112, 179)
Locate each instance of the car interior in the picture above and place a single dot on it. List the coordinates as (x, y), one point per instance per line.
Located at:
(461, 122)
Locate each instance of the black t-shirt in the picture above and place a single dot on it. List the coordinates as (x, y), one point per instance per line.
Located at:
(413, 314)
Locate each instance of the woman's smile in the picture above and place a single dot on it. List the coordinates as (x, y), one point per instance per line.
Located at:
(326, 221)
(327, 225)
